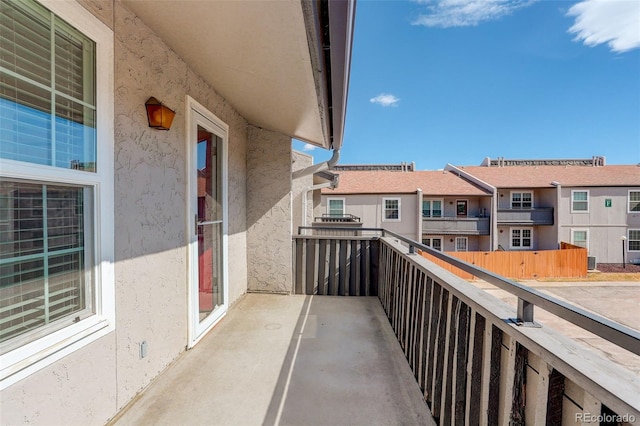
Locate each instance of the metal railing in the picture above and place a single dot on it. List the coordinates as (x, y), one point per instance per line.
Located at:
(474, 362)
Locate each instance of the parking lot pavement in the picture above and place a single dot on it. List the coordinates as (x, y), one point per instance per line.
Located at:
(617, 301)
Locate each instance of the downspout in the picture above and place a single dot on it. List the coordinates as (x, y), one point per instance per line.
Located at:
(306, 195)
(419, 224)
(320, 167)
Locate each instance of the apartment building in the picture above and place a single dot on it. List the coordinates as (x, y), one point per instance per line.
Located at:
(501, 205)
(539, 203)
(436, 207)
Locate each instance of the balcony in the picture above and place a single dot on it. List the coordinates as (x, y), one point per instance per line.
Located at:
(455, 225)
(526, 217)
(341, 224)
(414, 344)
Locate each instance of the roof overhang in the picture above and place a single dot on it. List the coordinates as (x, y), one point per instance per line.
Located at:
(283, 65)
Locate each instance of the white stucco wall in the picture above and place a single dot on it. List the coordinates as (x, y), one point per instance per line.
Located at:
(269, 212)
(89, 386)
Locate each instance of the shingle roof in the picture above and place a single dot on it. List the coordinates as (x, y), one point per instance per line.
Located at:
(542, 176)
(390, 182)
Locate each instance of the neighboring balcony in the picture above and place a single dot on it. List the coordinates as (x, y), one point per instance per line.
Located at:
(343, 224)
(538, 216)
(456, 225)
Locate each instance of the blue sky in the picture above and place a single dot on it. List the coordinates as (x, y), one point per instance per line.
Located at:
(455, 81)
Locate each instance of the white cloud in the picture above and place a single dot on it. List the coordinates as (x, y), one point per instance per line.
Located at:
(615, 22)
(385, 100)
(308, 147)
(465, 13)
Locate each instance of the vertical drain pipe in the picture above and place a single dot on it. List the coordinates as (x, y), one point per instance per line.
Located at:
(320, 167)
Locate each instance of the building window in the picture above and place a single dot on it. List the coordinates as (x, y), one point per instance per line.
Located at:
(461, 207)
(461, 243)
(391, 211)
(634, 240)
(434, 243)
(580, 237)
(432, 208)
(335, 207)
(579, 201)
(56, 220)
(48, 94)
(522, 200)
(634, 201)
(521, 238)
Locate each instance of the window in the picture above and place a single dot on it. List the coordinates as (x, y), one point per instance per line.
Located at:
(335, 206)
(634, 201)
(579, 201)
(580, 237)
(432, 208)
(521, 238)
(461, 243)
(434, 243)
(391, 211)
(522, 200)
(461, 207)
(634, 240)
(56, 184)
(48, 91)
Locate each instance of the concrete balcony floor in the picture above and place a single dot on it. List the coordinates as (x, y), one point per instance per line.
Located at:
(288, 360)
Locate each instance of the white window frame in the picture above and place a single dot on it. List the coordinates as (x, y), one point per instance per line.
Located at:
(466, 243)
(431, 200)
(629, 201)
(511, 246)
(384, 209)
(336, 199)
(573, 192)
(574, 230)
(521, 193)
(431, 239)
(629, 240)
(27, 359)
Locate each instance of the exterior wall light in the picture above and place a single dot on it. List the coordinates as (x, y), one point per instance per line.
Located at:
(160, 117)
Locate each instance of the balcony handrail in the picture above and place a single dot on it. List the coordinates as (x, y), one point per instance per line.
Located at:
(625, 337)
(518, 209)
(330, 216)
(436, 218)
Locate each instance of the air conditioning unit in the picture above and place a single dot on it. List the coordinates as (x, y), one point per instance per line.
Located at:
(591, 263)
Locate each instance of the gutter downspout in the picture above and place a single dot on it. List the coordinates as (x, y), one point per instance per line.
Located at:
(306, 195)
(320, 167)
(419, 224)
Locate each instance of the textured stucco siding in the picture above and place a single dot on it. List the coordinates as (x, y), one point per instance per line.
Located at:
(269, 212)
(90, 385)
(299, 190)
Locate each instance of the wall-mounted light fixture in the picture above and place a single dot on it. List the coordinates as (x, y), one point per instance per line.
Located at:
(160, 117)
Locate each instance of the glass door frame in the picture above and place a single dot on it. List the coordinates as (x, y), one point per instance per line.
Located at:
(198, 115)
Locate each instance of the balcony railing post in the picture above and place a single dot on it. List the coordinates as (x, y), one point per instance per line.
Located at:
(525, 314)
